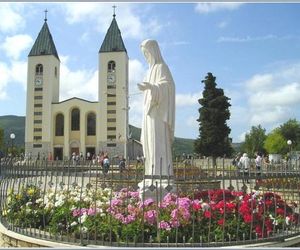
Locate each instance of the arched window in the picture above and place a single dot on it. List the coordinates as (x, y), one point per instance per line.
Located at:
(75, 119)
(39, 69)
(91, 124)
(59, 125)
(111, 66)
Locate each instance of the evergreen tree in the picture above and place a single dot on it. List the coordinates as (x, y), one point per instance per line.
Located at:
(214, 133)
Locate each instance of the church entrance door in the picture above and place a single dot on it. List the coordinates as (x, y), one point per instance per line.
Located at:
(75, 150)
(58, 153)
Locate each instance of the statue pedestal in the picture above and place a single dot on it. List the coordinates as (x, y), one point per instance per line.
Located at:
(156, 188)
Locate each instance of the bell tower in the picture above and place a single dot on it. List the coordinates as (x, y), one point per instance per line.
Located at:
(42, 90)
(113, 91)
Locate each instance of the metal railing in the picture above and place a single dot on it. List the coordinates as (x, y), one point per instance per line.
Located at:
(79, 203)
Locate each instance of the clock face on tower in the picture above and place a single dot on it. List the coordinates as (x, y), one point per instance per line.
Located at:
(38, 81)
(111, 78)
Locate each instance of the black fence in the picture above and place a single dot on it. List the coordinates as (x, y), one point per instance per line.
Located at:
(81, 203)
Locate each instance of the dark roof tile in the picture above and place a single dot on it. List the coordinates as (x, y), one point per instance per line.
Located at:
(44, 44)
(113, 41)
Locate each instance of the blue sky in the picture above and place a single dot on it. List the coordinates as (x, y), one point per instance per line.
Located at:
(253, 49)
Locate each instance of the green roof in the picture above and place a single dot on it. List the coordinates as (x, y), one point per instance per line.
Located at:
(44, 44)
(113, 41)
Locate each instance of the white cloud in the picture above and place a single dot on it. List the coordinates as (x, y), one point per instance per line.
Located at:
(79, 83)
(189, 99)
(13, 46)
(137, 73)
(262, 81)
(11, 20)
(130, 23)
(192, 122)
(273, 97)
(222, 24)
(18, 72)
(4, 78)
(215, 7)
(246, 39)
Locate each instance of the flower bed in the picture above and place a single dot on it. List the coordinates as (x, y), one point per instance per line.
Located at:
(202, 216)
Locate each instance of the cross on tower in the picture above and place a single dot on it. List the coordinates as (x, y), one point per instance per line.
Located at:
(45, 14)
(114, 7)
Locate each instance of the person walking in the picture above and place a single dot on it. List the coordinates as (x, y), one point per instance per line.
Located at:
(244, 164)
(258, 164)
(106, 164)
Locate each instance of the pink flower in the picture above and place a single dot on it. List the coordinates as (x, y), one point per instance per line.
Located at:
(174, 223)
(128, 219)
(185, 213)
(76, 212)
(146, 203)
(119, 217)
(184, 202)
(116, 202)
(91, 211)
(135, 195)
(164, 225)
(174, 213)
(150, 216)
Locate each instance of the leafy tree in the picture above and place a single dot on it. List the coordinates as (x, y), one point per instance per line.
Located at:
(254, 141)
(213, 137)
(275, 143)
(291, 131)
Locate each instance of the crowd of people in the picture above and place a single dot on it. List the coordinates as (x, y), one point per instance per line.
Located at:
(243, 164)
(102, 159)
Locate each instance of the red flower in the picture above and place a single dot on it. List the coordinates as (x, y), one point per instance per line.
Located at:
(269, 203)
(207, 214)
(247, 218)
(196, 205)
(258, 230)
(221, 222)
(280, 211)
(244, 209)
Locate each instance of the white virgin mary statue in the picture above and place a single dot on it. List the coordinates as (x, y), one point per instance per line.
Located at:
(158, 119)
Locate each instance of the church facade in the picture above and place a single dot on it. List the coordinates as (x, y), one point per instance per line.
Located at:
(57, 129)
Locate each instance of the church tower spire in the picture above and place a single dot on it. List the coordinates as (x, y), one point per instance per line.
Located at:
(44, 44)
(113, 41)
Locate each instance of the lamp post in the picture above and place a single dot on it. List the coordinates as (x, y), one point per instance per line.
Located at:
(12, 138)
(289, 143)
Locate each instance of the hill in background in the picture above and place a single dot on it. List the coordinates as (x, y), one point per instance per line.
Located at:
(16, 124)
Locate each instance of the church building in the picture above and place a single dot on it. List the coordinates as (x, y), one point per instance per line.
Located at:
(58, 128)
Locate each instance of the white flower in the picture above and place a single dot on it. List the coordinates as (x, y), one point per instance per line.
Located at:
(83, 218)
(205, 206)
(28, 203)
(59, 203)
(39, 200)
(84, 229)
(287, 220)
(74, 223)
